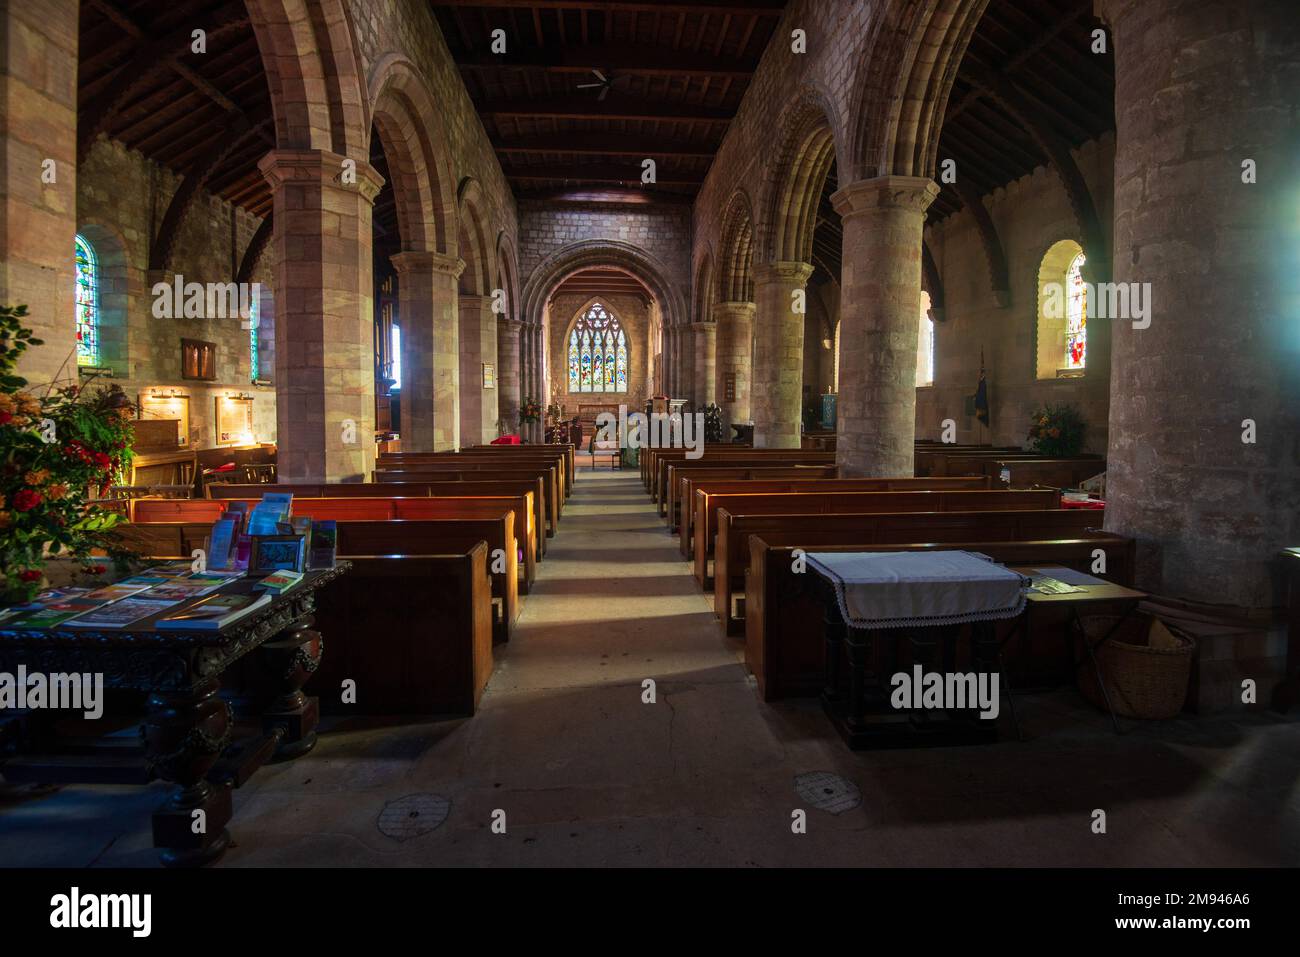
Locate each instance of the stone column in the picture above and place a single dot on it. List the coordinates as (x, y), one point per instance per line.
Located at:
(426, 292)
(478, 345)
(1199, 90)
(686, 364)
(706, 343)
(777, 402)
(508, 372)
(880, 296)
(324, 316)
(38, 218)
(735, 323)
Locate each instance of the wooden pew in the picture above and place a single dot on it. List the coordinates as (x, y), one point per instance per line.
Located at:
(413, 631)
(557, 460)
(924, 453)
(1011, 525)
(810, 483)
(648, 458)
(532, 488)
(974, 463)
(438, 536)
(811, 502)
(449, 471)
(1053, 473)
(682, 474)
(729, 457)
(567, 449)
(785, 646)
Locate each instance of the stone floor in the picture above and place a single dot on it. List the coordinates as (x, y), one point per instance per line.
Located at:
(586, 774)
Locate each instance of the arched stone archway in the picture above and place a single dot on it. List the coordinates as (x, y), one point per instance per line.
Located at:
(783, 266)
(733, 311)
(478, 321)
(322, 192)
(513, 366)
(415, 144)
(704, 335)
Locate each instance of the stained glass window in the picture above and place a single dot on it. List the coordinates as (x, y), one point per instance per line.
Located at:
(1076, 315)
(254, 319)
(87, 303)
(925, 345)
(598, 354)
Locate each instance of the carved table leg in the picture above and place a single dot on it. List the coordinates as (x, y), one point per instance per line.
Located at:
(184, 734)
(292, 658)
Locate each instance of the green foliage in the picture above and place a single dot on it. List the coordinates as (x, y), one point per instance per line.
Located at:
(55, 450)
(1056, 430)
(712, 423)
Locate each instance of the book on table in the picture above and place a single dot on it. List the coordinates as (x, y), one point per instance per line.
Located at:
(279, 581)
(214, 611)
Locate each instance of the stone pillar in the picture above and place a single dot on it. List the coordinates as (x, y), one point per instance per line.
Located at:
(478, 345)
(38, 219)
(777, 402)
(705, 362)
(1199, 89)
(324, 316)
(735, 324)
(880, 296)
(508, 372)
(686, 364)
(426, 292)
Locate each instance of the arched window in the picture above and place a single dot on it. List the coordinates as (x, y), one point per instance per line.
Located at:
(254, 320)
(1062, 349)
(1076, 315)
(597, 352)
(87, 302)
(925, 344)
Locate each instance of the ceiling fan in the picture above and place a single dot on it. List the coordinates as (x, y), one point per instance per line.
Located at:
(604, 84)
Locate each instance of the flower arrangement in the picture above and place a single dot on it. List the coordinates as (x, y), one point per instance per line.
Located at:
(1056, 430)
(54, 450)
(712, 423)
(530, 410)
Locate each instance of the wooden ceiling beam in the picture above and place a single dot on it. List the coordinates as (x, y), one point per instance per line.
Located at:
(620, 58)
(759, 8)
(612, 108)
(603, 144)
(624, 174)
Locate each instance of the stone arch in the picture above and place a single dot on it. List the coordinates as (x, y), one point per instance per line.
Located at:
(508, 274)
(314, 74)
(794, 184)
(607, 254)
(415, 142)
(736, 256)
(703, 291)
(472, 241)
(907, 66)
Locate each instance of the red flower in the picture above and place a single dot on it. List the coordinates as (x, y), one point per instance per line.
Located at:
(102, 460)
(25, 500)
(30, 575)
(6, 418)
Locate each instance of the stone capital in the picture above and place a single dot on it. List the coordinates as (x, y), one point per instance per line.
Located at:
(911, 193)
(513, 326)
(784, 273)
(732, 308)
(320, 167)
(467, 301)
(706, 327)
(427, 261)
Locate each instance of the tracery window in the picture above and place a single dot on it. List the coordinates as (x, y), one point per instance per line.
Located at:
(1076, 315)
(598, 354)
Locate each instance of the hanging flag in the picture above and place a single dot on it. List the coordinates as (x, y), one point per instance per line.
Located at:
(982, 395)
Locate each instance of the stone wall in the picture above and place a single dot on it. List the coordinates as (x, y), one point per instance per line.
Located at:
(121, 198)
(1030, 214)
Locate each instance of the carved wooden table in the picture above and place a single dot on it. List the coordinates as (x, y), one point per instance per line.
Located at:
(188, 733)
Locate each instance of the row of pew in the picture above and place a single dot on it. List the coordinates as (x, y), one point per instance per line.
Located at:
(443, 546)
(741, 513)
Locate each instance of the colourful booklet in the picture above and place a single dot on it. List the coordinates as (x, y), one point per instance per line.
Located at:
(213, 612)
(221, 542)
(279, 581)
(53, 615)
(121, 614)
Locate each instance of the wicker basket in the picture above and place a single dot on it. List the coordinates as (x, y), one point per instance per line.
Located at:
(1142, 682)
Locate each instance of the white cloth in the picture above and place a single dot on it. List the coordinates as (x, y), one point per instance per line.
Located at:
(911, 589)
